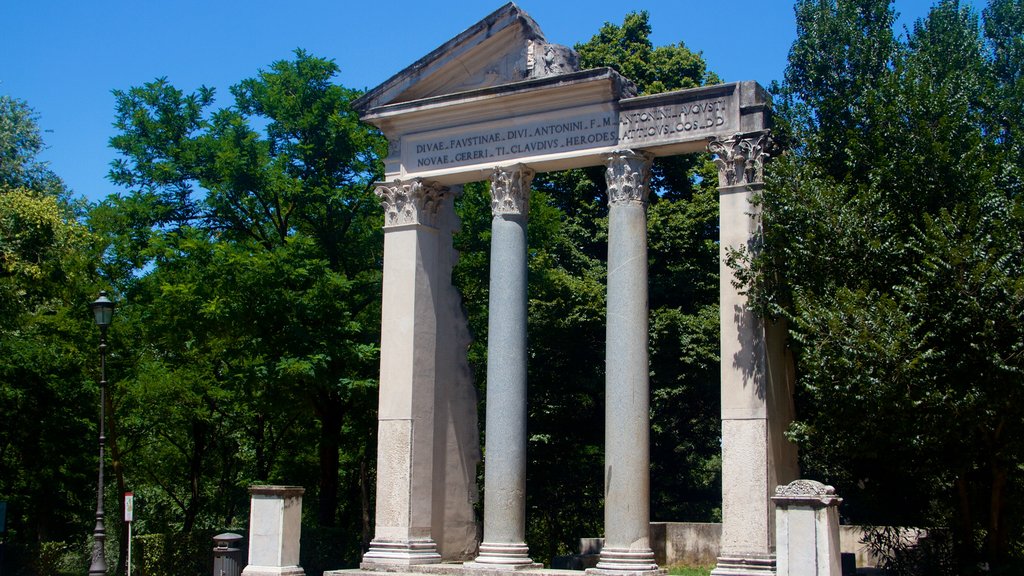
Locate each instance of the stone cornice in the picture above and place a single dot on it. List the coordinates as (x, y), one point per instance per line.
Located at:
(411, 202)
(741, 157)
(628, 174)
(510, 190)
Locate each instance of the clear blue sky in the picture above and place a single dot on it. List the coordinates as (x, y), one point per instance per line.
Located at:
(65, 56)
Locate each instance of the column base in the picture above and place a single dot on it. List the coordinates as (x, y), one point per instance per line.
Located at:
(403, 552)
(503, 557)
(745, 565)
(623, 561)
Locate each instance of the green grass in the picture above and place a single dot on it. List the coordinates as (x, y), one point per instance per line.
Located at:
(690, 570)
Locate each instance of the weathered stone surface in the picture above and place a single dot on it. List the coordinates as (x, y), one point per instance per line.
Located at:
(807, 529)
(456, 435)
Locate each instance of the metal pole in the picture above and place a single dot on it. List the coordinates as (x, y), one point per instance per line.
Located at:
(99, 560)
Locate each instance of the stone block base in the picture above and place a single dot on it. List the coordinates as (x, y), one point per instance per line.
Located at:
(273, 571)
(745, 565)
(481, 569)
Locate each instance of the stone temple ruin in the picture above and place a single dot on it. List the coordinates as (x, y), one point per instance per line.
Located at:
(500, 103)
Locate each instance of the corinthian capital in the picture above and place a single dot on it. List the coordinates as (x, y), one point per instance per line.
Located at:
(410, 202)
(628, 174)
(510, 190)
(740, 158)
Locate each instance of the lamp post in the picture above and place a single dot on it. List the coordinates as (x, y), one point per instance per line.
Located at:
(103, 311)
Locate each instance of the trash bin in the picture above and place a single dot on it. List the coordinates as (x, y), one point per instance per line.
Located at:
(227, 557)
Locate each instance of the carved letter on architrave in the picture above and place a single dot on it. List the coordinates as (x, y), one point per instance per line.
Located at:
(740, 158)
(411, 202)
(510, 190)
(628, 174)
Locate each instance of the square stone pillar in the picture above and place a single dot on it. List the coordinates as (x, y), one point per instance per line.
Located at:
(405, 432)
(275, 525)
(807, 529)
(757, 378)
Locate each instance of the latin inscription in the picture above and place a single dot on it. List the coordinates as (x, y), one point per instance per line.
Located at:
(500, 143)
(672, 121)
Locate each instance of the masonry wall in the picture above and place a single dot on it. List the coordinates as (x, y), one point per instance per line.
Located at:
(696, 543)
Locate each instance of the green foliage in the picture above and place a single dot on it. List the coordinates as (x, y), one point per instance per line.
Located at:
(173, 555)
(690, 570)
(893, 246)
(248, 250)
(21, 142)
(47, 390)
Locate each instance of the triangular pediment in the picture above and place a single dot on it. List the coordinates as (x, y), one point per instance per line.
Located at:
(506, 46)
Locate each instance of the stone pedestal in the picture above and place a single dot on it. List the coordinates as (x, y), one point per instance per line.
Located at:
(405, 437)
(756, 376)
(627, 547)
(275, 525)
(807, 529)
(504, 542)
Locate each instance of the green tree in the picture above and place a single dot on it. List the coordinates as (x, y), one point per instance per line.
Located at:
(249, 247)
(893, 247)
(47, 343)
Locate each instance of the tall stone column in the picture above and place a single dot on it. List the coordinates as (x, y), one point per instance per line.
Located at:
(504, 543)
(756, 376)
(405, 437)
(627, 508)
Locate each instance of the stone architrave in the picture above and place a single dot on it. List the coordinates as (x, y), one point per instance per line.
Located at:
(756, 376)
(807, 529)
(627, 547)
(504, 543)
(405, 427)
(275, 525)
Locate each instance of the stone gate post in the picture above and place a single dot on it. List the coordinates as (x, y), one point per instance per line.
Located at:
(756, 378)
(405, 437)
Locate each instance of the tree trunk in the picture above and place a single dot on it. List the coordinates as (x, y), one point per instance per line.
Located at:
(964, 529)
(195, 475)
(998, 545)
(364, 492)
(330, 414)
(116, 466)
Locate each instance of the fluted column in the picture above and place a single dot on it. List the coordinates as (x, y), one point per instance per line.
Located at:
(405, 439)
(627, 547)
(504, 543)
(756, 381)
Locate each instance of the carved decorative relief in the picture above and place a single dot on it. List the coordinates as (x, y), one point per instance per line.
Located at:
(411, 202)
(544, 59)
(741, 157)
(510, 190)
(628, 174)
(804, 488)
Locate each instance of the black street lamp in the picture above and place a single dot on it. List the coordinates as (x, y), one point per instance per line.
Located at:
(103, 309)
